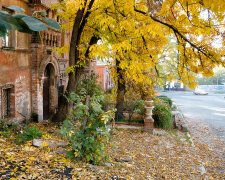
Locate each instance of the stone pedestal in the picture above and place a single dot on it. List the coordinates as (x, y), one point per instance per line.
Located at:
(148, 121)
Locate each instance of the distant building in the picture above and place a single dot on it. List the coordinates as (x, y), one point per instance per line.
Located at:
(104, 79)
(174, 86)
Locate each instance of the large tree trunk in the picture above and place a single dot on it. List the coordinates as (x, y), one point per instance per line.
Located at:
(65, 106)
(121, 90)
(79, 24)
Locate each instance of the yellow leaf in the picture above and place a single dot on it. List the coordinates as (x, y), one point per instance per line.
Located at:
(32, 158)
(44, 144)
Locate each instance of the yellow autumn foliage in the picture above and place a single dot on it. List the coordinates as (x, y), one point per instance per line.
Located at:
(136, 35)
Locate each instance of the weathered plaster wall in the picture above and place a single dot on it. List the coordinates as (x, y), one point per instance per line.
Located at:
(14, 69)
(15, 66)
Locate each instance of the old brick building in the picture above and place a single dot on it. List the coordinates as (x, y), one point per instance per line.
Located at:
(104, 76)
(31, 76)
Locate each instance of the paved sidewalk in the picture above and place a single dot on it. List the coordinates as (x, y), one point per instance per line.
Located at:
(128, 127)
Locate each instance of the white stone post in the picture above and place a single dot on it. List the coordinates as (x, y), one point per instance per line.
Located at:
(149, 121)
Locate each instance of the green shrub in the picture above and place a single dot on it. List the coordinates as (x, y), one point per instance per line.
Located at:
(109, 91)
(162, 114)
(89, 139)
(166, 99)
(27, 135)
(136, 121)
(108, 102)
(3, 125)
(6, 129)
(134, 107)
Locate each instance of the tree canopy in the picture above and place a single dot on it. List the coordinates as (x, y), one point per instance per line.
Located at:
(217, 79)
(136, 33)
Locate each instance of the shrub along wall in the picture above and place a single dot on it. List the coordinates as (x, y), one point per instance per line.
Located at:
(162, 113)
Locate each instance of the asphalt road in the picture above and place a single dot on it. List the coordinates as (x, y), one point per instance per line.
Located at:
(207, 108)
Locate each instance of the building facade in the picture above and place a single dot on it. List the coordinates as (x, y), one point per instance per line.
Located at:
(32, 77)
(104, 76)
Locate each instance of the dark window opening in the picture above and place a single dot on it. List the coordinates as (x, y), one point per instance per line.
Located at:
(60, 92)
(48, 12)
(7, 103)
(47, 39)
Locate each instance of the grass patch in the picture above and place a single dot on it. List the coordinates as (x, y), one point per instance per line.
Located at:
(173, 132)
(27, 135)
(7, 129)
(188, 139)
(220, 92)
(136, 121)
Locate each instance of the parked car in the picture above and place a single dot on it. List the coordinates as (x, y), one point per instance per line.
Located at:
(200, 92)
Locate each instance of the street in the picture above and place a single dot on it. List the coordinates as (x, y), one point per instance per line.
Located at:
(207, 108)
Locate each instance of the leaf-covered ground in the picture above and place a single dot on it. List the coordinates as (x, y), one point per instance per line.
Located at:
(163, 155)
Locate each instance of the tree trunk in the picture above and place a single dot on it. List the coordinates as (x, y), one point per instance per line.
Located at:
(65, 106)
(86, 117)
(120, 92)
(78, 27)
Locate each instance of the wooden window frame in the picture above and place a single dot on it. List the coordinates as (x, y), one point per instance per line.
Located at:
(7, 101)
(9, 41)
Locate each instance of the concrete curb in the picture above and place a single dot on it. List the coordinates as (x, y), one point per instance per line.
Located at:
(178, 121)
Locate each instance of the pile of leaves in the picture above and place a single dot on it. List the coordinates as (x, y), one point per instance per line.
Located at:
(162, 155)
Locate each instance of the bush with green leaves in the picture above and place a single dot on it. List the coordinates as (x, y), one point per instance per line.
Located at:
(166, 100)
(134, 107)
(88, 140)
(162, 114)
(6, 129)
(3, 125)
(27, 135)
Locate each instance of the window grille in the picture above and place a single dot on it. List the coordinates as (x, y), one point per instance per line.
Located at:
(5, 103)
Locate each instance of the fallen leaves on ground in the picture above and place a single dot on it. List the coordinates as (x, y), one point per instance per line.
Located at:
(162, 155)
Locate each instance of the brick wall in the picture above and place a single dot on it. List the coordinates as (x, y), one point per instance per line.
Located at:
(42, 57)
(100, 71)
(23, 66)
(104, 76)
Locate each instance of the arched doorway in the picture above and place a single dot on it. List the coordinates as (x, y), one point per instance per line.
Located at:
(48, 83)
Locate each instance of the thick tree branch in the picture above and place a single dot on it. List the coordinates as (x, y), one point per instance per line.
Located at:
(94, 40)
(73, 47)
(84, 21)
(176, 32)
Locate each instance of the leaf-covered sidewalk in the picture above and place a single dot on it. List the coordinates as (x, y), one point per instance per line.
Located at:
(163, 155)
